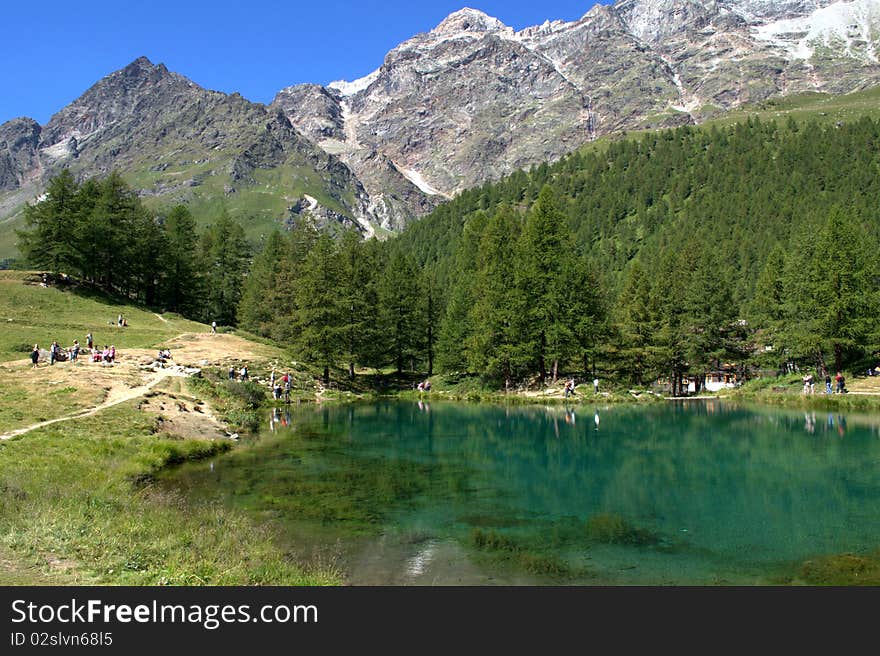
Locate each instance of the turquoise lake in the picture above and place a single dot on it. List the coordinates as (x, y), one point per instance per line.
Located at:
(689, 493)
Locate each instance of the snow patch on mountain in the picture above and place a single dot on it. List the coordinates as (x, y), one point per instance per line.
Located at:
(419, 181)
(346, 89)
(849, 28)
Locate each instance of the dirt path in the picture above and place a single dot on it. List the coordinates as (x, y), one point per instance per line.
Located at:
(160, 317)
(128, 380)
(114, 397)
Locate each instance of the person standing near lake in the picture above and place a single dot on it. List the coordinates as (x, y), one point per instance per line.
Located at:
(596, 385)
(828, 389)
(35, 355)
(840, 382)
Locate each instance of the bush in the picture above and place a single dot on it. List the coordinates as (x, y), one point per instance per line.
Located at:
(248, 395)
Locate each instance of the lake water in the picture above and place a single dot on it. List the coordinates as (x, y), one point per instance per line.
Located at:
(699, 493)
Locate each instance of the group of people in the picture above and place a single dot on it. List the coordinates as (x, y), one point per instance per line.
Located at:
(107, 354)
(839, 382)
(424, 386)
(570, 385)
(281, 386)
(243, 374)
(57, 353)
(121, 322)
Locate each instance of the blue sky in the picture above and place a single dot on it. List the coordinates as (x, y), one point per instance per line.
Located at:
(52, 51)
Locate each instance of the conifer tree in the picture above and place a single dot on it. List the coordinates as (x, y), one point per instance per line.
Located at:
(544, 252)
(51, 240)
(399, 303)
(181, 286)
(356, 291)
(634, 323)
(226, 255)
(767, 309)
(844, 298)
(281, 297)
(319, 312)
(492, 348)
(455, 329)
(256, 312)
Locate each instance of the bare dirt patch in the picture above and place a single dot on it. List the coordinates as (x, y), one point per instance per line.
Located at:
(182, 417)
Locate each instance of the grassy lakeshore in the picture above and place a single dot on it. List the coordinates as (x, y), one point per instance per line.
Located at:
(77, 500)
(78, 507)
(787, 391)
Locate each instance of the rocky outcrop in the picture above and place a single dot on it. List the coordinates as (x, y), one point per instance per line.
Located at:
(19, 152)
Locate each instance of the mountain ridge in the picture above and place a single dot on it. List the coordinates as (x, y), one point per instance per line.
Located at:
(463, 104)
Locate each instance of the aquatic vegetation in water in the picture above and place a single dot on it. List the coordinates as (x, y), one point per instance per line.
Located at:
(608, 528)
(492, 541)
(505, 549)
(843, 569)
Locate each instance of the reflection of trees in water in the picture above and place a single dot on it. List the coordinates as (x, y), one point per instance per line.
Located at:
(744, 482)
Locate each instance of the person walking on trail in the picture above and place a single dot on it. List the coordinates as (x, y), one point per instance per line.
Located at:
(244, 373)
(53, 353)
(840, 382)
(287, 383)
(90, 344)
(35, 355)
(231, 373)
(213, 327)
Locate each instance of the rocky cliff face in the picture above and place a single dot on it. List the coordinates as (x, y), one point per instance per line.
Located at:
(472, 100)
(467, 102)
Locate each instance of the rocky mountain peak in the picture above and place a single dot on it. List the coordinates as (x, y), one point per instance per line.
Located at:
(120, 94)
(468, 20)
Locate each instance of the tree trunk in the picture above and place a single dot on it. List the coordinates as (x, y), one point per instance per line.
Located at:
(430, 348)
(542, 362)
(351, 370)
(838, 357)
(555, 370)
(326, 375)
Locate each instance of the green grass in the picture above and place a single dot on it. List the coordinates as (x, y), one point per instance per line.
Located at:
(34, 396)
(77, 505)
(32, 314)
